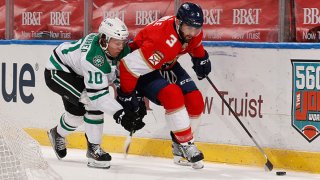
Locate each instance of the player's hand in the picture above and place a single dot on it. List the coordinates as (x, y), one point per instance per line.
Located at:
(142, 107)
(128, 101)
(202, 66)
(130, 121)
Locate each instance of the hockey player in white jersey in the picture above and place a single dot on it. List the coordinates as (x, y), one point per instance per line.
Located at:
(81, 72)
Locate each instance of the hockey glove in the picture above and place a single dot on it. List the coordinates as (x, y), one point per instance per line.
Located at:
(128, 101)
(142, 106)
(129, 120)
(202, 66)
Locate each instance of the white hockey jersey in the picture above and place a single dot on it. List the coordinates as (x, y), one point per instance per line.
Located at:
(86, 58)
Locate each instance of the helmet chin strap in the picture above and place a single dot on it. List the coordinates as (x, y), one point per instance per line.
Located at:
(105, 49)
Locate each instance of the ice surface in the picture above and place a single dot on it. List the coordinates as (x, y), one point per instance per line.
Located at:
(73, 167)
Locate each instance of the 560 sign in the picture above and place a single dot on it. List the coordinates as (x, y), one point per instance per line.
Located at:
(306, 97)
(15, 81)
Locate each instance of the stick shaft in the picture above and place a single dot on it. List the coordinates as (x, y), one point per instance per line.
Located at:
(237, 118)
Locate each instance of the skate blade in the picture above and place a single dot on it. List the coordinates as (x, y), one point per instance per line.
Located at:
(98, 164)
(52, 145)
(181, 161)
(197, 165)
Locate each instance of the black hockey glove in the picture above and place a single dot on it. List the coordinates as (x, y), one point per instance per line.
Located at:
(142, 106)
(132, 102)
(202, 66)
(128, 101)
(129, 120)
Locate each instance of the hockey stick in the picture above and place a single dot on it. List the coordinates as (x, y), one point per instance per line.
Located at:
(268, 166)
(127, 144)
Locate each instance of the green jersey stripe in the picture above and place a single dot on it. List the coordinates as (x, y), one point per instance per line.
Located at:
(66, 51)
(55, 63)
(71, 49)
(98, 96)
(93, 121)
(66, 126)
(64, 84)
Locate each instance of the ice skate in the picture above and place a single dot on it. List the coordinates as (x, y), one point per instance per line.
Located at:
(58, 143)
(178, 155)
(97, 157)
(187, 154)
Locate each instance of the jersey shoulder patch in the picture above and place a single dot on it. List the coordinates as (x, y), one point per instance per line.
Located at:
(97, 57)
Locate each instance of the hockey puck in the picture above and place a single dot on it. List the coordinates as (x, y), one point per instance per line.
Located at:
(281, 173)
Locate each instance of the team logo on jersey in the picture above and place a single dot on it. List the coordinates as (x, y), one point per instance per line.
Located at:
(98, 61)
(305, 111)
(156, 57)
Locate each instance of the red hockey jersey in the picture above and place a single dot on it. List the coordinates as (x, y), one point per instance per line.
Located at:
(157, 46)
(160, 45)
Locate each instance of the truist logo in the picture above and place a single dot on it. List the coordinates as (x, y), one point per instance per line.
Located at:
(246, 16)
(31, 18)
(113, 14)
(212, 16)
(246, 105)
(17, 81)
(60, 18)
(146, 17)
(311, 16)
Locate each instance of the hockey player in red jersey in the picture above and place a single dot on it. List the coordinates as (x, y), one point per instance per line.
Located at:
(152, 70)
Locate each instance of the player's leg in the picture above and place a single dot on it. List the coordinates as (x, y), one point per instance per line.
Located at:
(192, 96)
(158, 89)
(194, 105)
(69, 122)
(93, 121)
(68, 86)
(177, 116)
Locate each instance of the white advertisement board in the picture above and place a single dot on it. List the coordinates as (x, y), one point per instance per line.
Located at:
(257, 83)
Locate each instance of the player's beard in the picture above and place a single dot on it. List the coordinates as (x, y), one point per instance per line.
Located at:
(187, 38)
(184, 38)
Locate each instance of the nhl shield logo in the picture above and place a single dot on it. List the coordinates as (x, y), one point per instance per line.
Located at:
(305, 111)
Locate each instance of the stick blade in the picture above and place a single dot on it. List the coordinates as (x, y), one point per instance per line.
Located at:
(268, 166)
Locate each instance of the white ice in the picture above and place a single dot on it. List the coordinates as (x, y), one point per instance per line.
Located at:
(73, 167)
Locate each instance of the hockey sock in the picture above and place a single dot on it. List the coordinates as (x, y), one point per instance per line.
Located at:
(68, 123)
(180, 125)
(195, 124)
(184, 136)
(94, 127)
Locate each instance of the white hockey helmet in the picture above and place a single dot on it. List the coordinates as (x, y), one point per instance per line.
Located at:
(114, 28)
